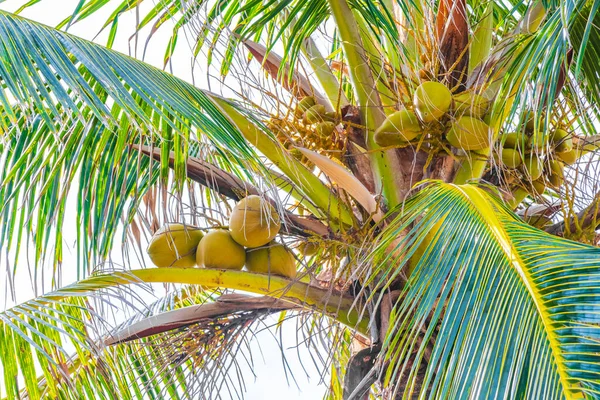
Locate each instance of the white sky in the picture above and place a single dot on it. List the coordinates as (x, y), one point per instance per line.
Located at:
(271, 381)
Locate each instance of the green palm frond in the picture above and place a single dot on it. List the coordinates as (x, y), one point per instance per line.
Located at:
(494, 307)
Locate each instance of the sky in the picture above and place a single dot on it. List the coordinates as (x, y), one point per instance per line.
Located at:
(271, 379)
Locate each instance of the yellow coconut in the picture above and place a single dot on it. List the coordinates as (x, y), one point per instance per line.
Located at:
(398, 128)
(529, 119)
(432, 100)
(314, 114)
(470, 104)
(217, 249)
(562, 140)
(254, 222)
(533, 167)
(304, 104)
(273, 259)
(325, 129)
(174, 245)
(568, 157)
(512, 140)
(469, 133)
(511, 158)
(537, 141)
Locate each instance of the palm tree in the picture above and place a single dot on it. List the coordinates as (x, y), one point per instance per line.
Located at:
(436, 158)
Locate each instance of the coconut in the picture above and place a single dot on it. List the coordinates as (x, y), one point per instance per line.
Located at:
(325, 129)
(217, 249)
(470, 104)
(254, 222)
(538, 186)
(533, 166)
(537, 141)
(273, 259)
(304, 104)
(174, 245)
(308, 249)
(432, 100)
(398, 128)
(562, 140)
(556, 173)
(511, 158)
(469, 133)
(568, 157)
(512, 140)
(314, 114)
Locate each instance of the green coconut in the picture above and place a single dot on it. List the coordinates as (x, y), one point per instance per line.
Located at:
(174, 245)
(304, 104)
(325, 128)
(511, 140)
(511, 158)
(537, 141)
(470, 104)
(538, 186)
(314, 114)
(556, 173)
(562, 140)
(469, 133)
(432, 100)
(533, 166)
(568, 157)
(254, 222)
(272, 259)
(308, 249)
(398, 128)
(217, 249)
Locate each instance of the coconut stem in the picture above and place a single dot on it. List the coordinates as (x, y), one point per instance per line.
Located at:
(330, 303)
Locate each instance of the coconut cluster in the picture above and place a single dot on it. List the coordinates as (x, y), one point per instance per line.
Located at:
(535, 159)
(435, 111)
(253, 225)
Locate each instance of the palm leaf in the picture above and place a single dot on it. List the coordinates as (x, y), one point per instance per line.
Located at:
(508, 314)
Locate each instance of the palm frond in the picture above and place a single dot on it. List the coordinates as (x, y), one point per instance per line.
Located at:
(493, 306)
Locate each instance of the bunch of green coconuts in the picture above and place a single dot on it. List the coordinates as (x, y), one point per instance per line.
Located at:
(431, 102)
(249, 241)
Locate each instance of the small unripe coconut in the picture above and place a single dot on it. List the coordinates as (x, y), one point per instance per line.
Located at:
(308, 249)
(304, 104)
(174, 245)
(556, 173)
(432, 100)
(533, 166)
(325, 129)
(538, 186)
(274, 259)
(314, 114)
(568, 157)
(470, 104)
(511, 158)
(217, 249)
(512, 140)
(562, 140)
(529, 119)
(537, 141)
(398, 128)
(254, 222)
(469, 133)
